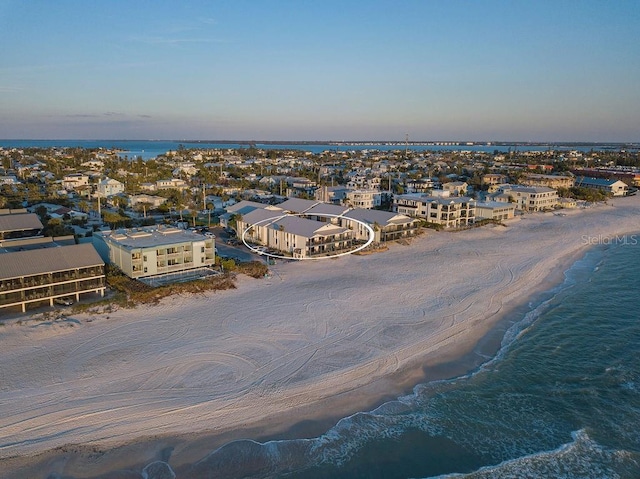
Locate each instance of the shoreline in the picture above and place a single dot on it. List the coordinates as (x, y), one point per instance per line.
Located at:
(466, 350)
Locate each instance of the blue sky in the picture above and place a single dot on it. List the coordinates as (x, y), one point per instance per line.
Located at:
(320, 70)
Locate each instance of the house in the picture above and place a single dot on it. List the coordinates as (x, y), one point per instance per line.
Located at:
(150, 201)
(499, 187)
(62, 211)
(494, 210)
(148, 186)
(493, 179)
(93, 164)
(188, 169)
(171, 183)
(75, 181)
(568, 203)
(331, 194)
(9, 180)
(422, 185)
(446, 211)
(36, 270)
(532, 198)
(109, 187)
(456, 188)
(301, 187)
(367, 199)
(610, 186)
(155, 251)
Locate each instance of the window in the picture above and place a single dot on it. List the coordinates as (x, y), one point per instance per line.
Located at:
(144, 258)
(145, 269)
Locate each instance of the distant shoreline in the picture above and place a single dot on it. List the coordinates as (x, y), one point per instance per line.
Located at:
(399, 143)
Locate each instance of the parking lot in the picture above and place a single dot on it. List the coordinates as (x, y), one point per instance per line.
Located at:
(236, 250)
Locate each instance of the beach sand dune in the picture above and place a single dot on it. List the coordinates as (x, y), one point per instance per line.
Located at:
(316, 340)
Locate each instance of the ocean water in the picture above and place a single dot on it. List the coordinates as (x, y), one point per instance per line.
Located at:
(148, 149)
(561, 399)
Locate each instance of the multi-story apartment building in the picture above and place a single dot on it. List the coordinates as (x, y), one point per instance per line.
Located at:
(611, 186)
(37, 270)
(293, 235)
(156, 250)
(386, 226)
(552, 181)
(367, 199)
(532, 198)
(446, 211)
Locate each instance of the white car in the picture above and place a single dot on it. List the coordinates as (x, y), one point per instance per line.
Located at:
(63, 301)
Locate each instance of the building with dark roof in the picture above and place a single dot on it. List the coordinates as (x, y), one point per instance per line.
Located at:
(611, 186)
(36, 270)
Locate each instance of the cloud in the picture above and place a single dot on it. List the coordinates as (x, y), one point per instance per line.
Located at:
(106, 114)
(10, 89)
(208, 21)
(159, 40)
(81, 115)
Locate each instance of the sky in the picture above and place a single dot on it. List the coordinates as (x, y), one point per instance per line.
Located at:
(476, 70)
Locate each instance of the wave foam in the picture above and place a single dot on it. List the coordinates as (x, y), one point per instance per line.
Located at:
(583, 458)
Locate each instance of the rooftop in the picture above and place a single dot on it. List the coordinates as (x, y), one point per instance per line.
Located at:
(47, 260)
(149, 237)
(20, 222)
(377, 216)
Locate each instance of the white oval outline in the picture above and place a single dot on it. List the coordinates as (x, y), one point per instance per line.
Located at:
(372, 235)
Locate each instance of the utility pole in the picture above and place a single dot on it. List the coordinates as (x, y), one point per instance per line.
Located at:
(406, 146)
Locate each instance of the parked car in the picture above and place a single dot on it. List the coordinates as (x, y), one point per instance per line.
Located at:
(63, 301)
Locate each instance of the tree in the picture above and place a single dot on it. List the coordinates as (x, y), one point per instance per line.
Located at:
(83, 206)
(113, 219)
(143, 205)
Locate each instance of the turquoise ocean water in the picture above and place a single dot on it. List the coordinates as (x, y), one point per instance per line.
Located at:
(560, 400)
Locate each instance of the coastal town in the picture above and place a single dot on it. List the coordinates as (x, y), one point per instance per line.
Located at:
(67, 213)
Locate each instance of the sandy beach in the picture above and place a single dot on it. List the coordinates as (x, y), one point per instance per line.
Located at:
(280, 356)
